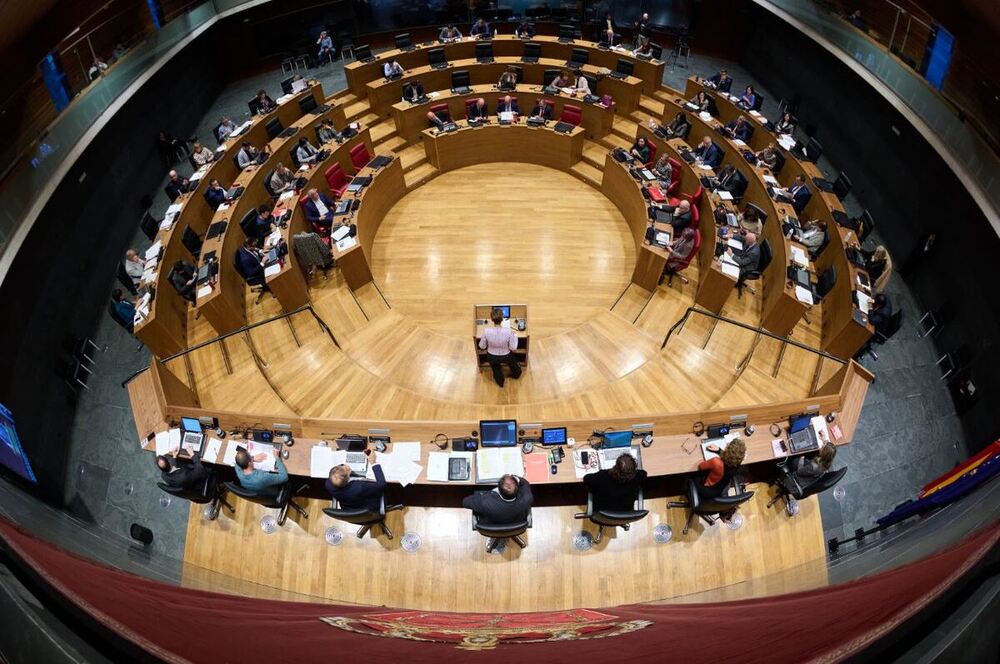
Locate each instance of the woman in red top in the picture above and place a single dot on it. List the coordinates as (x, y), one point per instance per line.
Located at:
(719, 469)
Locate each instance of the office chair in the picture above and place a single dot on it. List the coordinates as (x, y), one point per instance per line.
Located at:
(758, 102)
(675, 177)
(191, 242)
(294, 157)
(753, 275)
(574, 115)
(336, 179)
(360, 156)
(247, 221)
(610, 519)
(655, 51)
(362, 517)
(707, 509)
(273, 497)
(113, 311)
(684, 263)
(891, 328)
(460, 81)
(695, 198)
(823, 286)
(625, 67)
(841, 186)
(149, 225)
(257, 284)
(548, 76)
(789, 489)
(811, 151)
(495, 533)
(578, 58)
(209, 491)
(267, 184)
(532, 51)
(865, 225)
(484, 53)
(652, 152)
(436, 58)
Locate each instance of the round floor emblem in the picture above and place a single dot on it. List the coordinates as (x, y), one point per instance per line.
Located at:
(268, 524)
(735, 523)
(333, 535)
(662, 533)
(582, 541)
(410, 542)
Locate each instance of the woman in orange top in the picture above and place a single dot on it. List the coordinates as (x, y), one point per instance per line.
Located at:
(719, 469)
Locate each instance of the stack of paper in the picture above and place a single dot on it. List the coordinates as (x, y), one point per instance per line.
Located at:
(167, 441)
(705, 115)
(864, 302)
(340, 233)
(211, 449)
(230, 457)
(803, 295)
(205, 291)
(321, 461)
(267, 464)
(154, 250)
(799, 257)
(724, 195)
(735, 243)
(282, 99)
(437, 466)
(346, 243)
(770, 180)
(396, 468)
(272, 270)
(223, 207)
(738, 142)
(492, 463)
(786, 141)
(730, 268)
(286, 195)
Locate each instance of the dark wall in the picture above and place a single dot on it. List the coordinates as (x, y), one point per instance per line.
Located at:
(910, 192)
(59, 282)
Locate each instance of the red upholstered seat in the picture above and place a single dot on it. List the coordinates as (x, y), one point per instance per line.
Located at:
(572, 115)
(336, 179)
(652, 154)
(694, 252)
(695, 216)
(675, 177)
(441, 110)
(360, 156)
(695, 198)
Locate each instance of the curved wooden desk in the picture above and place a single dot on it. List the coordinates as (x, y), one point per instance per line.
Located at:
(164, 330)
(842, 335)
(223, 301)
(649, 72)
(411, 119)
(494, 142)
(382, 94)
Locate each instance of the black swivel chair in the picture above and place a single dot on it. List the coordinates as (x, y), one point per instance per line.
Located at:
(532, 51)
(246, 223)
(604, 518)
(822, 286)
(149, 225)
(498, 532)
(267, 185)
(484, 53)
(656, 51)
(208, 492)
(460, 81)
(548, 76)
(273, 497)
(880, 337)
(753, 275)
(191, 241)
(362, 517)
(707, 509)
(578, 58)
(789, 488)
(758, 102)
(841, 186)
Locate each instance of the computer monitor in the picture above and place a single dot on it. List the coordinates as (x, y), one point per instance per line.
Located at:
(286, 85)
(567, 31)
(273, 128)
(797, 423)
(614, 439)
(403, 40)
(554, 436)
(498, 433)
(190, 424)
(504, 310)
(362, 52)
(307, 105)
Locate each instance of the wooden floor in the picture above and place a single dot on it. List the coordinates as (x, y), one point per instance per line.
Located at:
(452, 572)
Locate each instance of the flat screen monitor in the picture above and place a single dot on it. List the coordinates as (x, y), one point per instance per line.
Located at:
(403, 40)
(498, 433)
(273, 127)
(286, 85)
(307, 105)
(797, 423)
(190, 424)
(12, 455)
(566, 31)
(504, 310)
(554, 436)
(614, 439)
(362, 52)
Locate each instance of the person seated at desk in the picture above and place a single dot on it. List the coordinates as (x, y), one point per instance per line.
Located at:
(500, 342)
(524, 29)
(392, 69)
(327, 132)
(183, 277)
(640, 150)
(542, 110)
(413, 92)
(643, 46)
(509, 502)
(679, 126)
(747, 258)
(480, 29)
(682, 216)
(250, 262)
(282, 180)
(718, 471)
(608, 38)
(326, 52)
(449, 33)
(478, 112)
(319, 211)
(263, 225)
(878, 265)
(707, 153)
(249, 155)
(813, 235)
(97, 69)
(726, 179)
(739, 129)
(663, 171)
(768, 156)
(798, 193)
(306, 152)
(134, 266)
(702, 101)
(124, 308)
(786, 125)
(805, 469)
(508, 80)
(359, 493)
(750, 221)
(880, 313)
(722, 81)
(857, 20)
(617, 488)
(508, 105)
(581, 86)
(679, 248)
(180, 475)
(749, 98)
(264, 102)
(225, 128)
(434, 121)
(254, 479)
(176, 186)
(201, 155)
(215, 194)
(563, 80)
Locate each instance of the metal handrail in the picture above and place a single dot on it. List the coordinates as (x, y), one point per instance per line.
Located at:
(759, 330)
(241, 330)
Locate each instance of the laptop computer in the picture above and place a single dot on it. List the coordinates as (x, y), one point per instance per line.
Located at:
(801, 436)
(192, 437)
(355, 448)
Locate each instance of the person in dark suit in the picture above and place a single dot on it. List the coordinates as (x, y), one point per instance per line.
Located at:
(124, 308)
(176, 186)
(183, 277)
(264, 102)
(542, 110)
(722, 81)
(749, 98)
(509, 502)
(608, 38)
(480, 29)
(799, 193)
(679, 126)
(359, 494)
(215, 194)
(319, 211)
(747, 258)
(413, 92)
(249, 260)
(616, 489)
(180, 475)
(707, 153)
(524, 30)
(725, 178)
(478, 112)
(739, 128)
(880, 313)
(434, 121)
(682, 216)
(508, 105)
(857, 20)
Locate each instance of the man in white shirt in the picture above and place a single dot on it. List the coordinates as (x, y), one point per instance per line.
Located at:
(133, 266)
(500, 342)
(305, 152)
(392, 69)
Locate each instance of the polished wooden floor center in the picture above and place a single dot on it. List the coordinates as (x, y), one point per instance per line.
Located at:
(503, 233)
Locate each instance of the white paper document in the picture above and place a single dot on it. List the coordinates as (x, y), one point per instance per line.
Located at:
(340, 233)
(770, 180)
(286, 195)
(437, 466)
(739, 142)
(230, 457)
(154, 250)
(705, 115)
(346, 243)
(396, 469)
(803, 294)
(731, 269)
(734, 243)
(864, 302)
(704, 167)
(408, 451)
(211, 449)
(724, 195)
(204, 291)
(272, 270)
(495, 462)
(320, 461)
(799, 257)
(222, 208)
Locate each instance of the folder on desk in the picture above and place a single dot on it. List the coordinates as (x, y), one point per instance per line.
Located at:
(495, 462)
(216, 229)
(536, 467)
(340, 233)
(731, 269)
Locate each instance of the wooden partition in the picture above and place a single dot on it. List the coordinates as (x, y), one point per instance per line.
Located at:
(492, 143)
(649, 72)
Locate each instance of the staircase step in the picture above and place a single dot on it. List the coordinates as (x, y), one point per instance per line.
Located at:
(612, 141)
(419, 175)
(587, 172)
(652, 106)
(359, 108)
(344, 96)
(382, 131)
(393, 143)
(594, 154)
(412, 156)
(624, 127)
